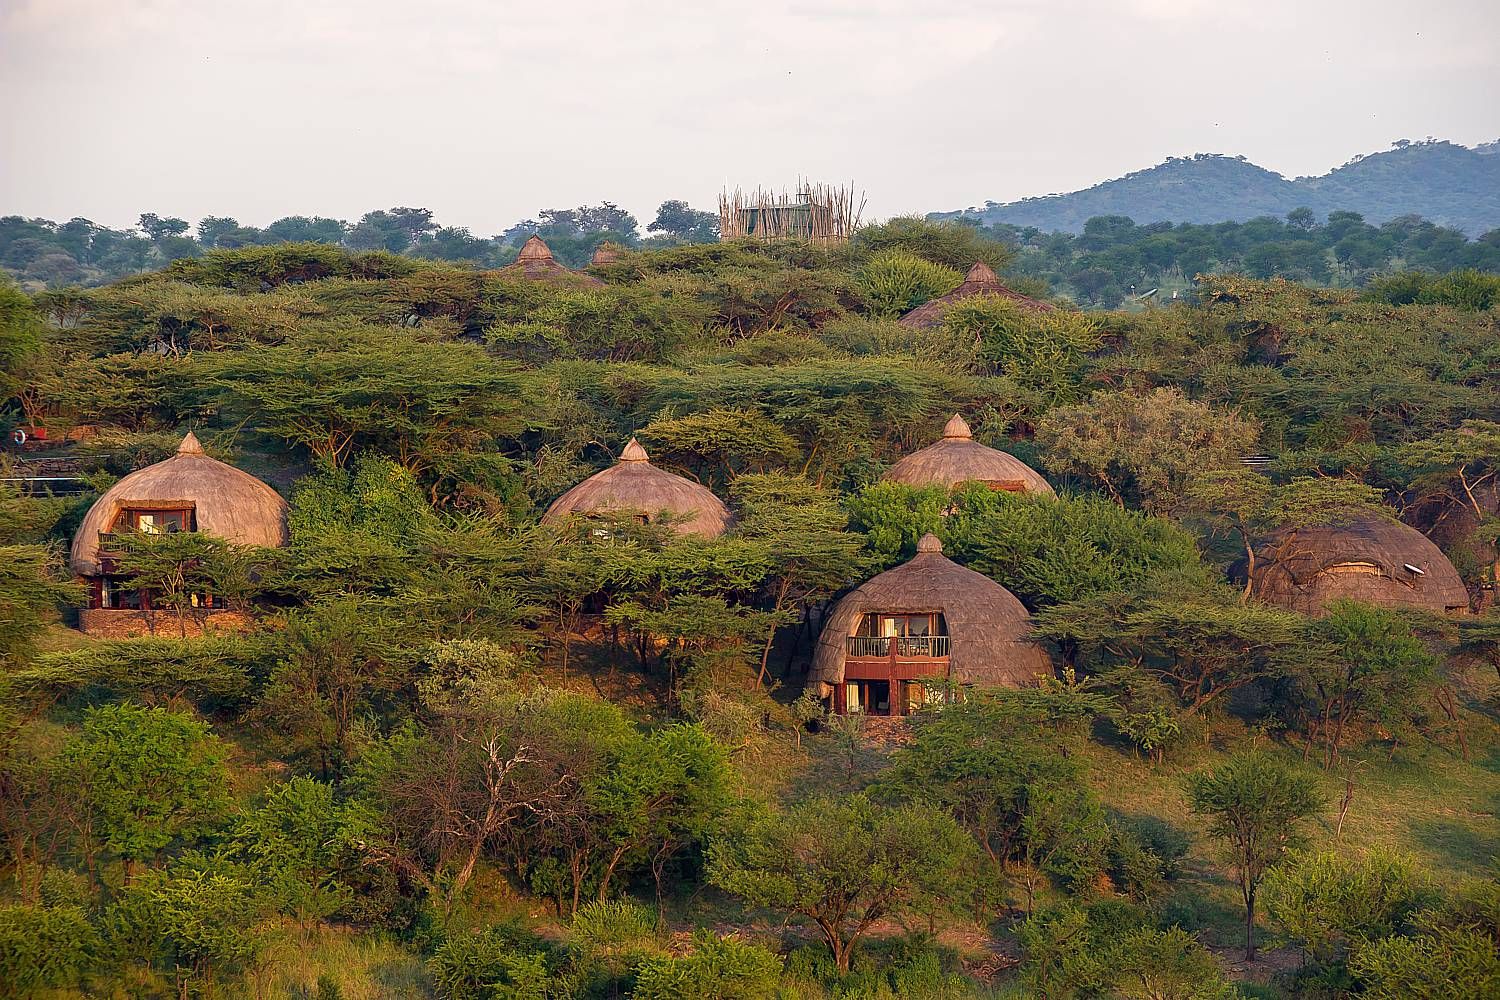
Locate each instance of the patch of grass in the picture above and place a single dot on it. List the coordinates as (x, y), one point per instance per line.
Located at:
(363, 966)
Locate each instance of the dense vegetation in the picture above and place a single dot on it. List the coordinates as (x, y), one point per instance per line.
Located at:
(462, 754)
(1452, 185)
(82, 252)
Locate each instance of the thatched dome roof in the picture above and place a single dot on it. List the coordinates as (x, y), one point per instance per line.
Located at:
(988, 627)
(226, 503)
(1374, 560)
(981, 280)
(606, 253)
(634, 486)
(536, 263)
(958, 458)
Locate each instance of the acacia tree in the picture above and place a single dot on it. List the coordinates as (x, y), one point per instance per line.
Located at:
(1253, 804)
(149, 779)
(812, 554)
(1144, 447)
(340, 392)
(1462, 465)
(1367, 667)
(1251, 506)
(844, 864)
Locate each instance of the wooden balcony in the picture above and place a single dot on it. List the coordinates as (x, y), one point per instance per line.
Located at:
(895, 657)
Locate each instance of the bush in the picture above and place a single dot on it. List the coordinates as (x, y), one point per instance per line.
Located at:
(1329, 902)
(897, 281)
(718, 969)
(43, 948)
(1452, 963)
(499, 963)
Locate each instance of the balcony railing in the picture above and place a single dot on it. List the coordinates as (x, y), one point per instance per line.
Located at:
(882, 647)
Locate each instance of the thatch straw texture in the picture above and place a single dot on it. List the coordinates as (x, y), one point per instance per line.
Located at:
(536, 263)
(606, 253)
(958, 458)
(226, 503)
(981, 280)
(989, 629)
(1369, 560)
(635, 486)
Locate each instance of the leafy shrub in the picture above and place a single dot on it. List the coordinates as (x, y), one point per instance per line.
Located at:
(897, 281)
(1451, 963)
(44, 948)
(1328, 901)
(502, 962)
(717, 969)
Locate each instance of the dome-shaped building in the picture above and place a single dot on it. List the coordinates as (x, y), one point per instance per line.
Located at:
(607, 252)
(1373, 560)
(927, 618)
(633, 486)
(958, 458)
(980, 280)
(536, 263)
(188, 492)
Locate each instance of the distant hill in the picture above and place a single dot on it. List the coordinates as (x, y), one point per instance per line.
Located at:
(1449, 184)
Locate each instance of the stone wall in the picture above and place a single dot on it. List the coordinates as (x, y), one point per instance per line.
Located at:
(124, 623)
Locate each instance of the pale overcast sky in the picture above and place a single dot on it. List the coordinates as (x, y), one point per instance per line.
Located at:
(488, 110)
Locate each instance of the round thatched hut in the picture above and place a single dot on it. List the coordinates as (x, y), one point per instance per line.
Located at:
(536, 263)
(927, 618)
(958, 458)
(606, 253)
(1373, 560)
(633, 486)
(980, 280)
(187, 492)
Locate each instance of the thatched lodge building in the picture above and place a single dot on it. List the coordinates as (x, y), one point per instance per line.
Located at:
(927, 619)
(188, 492)
(607, 253)
(957, 458)
(536, 263)
(1372, 560)
(980, 280)
(635, 487)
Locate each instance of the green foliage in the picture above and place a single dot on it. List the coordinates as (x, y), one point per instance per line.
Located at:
(1144, 448)
(1330, 902)
(717, 969)
(896, 281)
(208, 922)
(499, 963)
(151, 779)
(341, 392)
(1450, 963)
(30, 592)
(952, 244)
(44, 948)
(1253, 804)
(1042, 352)
(843, 864)
(1105, 949)
(20, 335)
(292, 844)
(1368, 668)
(1049, 551)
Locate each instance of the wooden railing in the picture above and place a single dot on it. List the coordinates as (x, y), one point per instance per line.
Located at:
(880, 647)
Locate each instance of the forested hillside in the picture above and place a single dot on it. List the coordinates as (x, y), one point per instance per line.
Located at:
(1449, 184)
(451, 749)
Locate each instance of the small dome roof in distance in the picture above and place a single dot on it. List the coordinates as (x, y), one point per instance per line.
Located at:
(980, 280)
(536, 263)
(1374, 560)
(634, 486)
(606, 253)
(989, 629)
(226, 503)
(957, 458)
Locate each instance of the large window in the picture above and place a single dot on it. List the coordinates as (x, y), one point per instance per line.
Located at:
(891, 626)
(155, 521)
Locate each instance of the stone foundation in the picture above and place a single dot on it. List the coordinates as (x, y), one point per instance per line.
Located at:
(125, 623)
